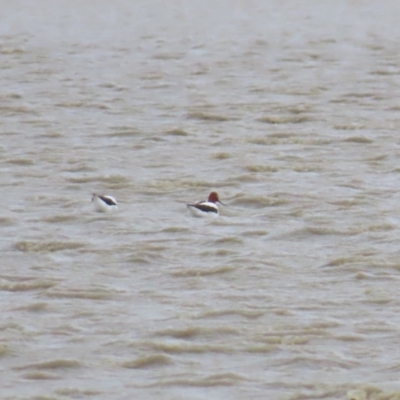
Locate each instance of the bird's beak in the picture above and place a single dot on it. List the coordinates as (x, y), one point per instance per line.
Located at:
(219, 201)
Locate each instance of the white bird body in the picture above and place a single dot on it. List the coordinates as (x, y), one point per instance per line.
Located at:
(104, 203)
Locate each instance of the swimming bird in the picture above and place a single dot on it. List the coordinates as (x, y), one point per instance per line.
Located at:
(104, 203)
(203, 208)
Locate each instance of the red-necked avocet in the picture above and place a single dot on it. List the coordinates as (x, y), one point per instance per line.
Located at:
(204, 208)
(104, 203)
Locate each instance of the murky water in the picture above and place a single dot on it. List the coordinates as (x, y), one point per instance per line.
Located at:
(289, 111)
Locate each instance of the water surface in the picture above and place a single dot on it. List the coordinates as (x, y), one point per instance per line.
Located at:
(290, 112)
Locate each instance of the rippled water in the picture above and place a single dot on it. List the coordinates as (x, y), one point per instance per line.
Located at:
(291, 113)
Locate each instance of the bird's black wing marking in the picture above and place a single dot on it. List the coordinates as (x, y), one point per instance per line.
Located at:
(108, 201)
(204, 207)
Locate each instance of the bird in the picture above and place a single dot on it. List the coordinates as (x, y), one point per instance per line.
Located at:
(204, 208)
(104, 203)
